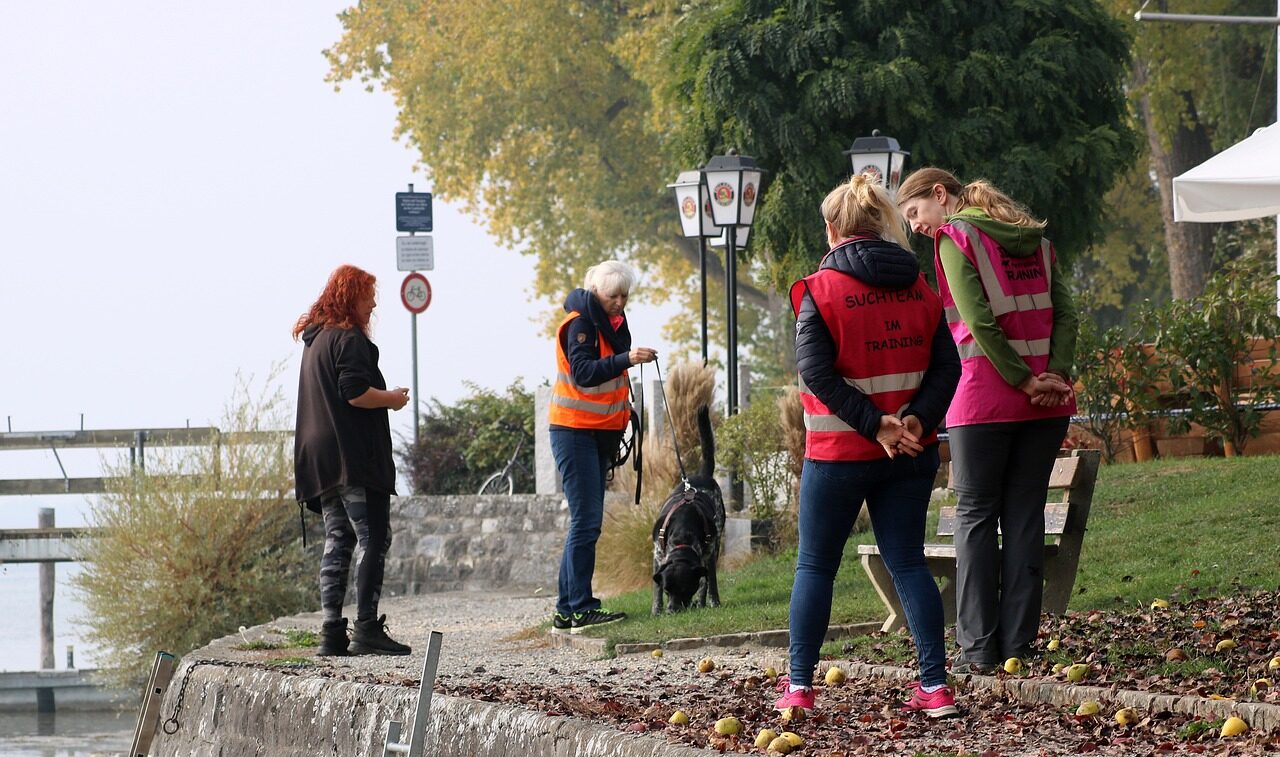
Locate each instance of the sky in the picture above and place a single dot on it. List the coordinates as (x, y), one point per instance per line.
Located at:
(177, 180)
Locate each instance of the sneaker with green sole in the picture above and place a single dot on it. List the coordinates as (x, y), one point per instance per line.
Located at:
(561, 623)
(598, 617)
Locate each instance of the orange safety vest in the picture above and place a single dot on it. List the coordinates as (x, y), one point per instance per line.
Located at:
(605, 407)
(883, 338)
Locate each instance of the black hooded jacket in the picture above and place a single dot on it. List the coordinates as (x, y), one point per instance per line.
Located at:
(580, 341)
(886, 265)
(337, 443)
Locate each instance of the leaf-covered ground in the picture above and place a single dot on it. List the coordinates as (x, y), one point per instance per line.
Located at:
(1209, 647)
(863, 716)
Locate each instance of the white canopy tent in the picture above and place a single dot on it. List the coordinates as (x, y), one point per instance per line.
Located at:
(1241, 182)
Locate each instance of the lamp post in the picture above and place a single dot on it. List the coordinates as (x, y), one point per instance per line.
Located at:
(878, 157)
(695, 221)
(733, 184)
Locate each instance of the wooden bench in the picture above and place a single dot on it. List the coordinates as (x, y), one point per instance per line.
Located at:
(1065, 516)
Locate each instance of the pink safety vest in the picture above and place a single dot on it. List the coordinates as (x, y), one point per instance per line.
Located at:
(885, 364)
(1018, 290)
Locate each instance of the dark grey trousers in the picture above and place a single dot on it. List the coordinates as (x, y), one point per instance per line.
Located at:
(1000, 473)
(354, 517)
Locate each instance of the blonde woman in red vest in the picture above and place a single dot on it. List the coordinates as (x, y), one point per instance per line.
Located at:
(877, 369)
(1011, 315)
(590, 408)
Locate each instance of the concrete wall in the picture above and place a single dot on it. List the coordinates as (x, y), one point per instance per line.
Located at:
(247, 712)
(456, 542)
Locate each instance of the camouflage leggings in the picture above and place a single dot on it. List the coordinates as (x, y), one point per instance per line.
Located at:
(351, 517)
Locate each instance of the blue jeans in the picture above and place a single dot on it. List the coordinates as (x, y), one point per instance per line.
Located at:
(583, 467)
(897, 495)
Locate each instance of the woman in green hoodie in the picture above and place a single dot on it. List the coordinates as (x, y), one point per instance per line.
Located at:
(1010, 312)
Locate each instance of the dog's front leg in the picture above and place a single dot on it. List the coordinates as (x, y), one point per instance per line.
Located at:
(656, 607)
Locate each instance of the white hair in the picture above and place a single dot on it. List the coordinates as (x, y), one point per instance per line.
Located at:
(610, 277)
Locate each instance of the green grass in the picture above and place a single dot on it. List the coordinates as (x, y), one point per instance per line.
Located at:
(1177, 529)
(293, 638)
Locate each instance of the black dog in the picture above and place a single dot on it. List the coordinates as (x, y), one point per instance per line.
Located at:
(687, 535)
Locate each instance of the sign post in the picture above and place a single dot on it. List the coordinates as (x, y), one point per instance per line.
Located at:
(415, 293)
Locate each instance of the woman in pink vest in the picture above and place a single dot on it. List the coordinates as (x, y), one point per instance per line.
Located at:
(877, 369)
(1011, 315)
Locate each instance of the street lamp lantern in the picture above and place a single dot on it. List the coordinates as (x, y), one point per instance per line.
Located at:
(693, 205)
(694, 208)
(878, 157)
(740, 242)
(733, 182)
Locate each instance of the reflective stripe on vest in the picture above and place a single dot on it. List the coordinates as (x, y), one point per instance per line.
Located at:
(611, 385)
(1024, 347)
(1002, 302)
(603, 407)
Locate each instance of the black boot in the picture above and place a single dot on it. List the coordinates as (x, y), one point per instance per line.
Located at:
(333, 639)
(370, 637)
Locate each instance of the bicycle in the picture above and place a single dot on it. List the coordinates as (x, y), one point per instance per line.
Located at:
(493, 484)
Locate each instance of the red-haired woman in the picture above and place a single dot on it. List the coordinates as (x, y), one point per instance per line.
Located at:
(342, 456)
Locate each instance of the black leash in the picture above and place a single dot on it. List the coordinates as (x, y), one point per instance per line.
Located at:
(675, 443)
(637, 435)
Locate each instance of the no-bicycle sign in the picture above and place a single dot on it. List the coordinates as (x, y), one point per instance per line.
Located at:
(415, 293)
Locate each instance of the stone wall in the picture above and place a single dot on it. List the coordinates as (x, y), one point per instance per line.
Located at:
(247, 712)
(456, 542)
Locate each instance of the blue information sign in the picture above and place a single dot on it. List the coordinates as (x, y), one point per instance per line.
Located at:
(413, 211)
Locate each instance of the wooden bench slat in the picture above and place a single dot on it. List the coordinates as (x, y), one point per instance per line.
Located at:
(947, 551)
(1064, 473)
(1055, 520)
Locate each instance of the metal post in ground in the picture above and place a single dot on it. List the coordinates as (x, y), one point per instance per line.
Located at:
(417, 736)
(44, 697)
(152, 698)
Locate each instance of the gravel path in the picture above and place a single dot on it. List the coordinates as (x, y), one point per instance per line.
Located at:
(487, 636)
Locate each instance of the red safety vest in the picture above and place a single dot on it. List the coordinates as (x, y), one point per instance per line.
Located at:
(604, 407)
(1019, 291)
(883, 338)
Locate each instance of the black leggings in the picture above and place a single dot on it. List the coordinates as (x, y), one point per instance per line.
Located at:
(354, 516)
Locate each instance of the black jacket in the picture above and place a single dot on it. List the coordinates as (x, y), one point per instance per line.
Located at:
(881, 264)
(579, 341)
(336, 443)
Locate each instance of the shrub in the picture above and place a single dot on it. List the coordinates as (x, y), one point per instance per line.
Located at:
(461, 445)
(204, 542)
(1219, 352)
(1118, 378)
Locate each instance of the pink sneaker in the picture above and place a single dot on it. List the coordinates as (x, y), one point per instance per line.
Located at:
(802, 699)
(783, 683)
(939, 704)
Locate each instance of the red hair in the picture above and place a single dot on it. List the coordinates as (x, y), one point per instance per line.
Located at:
(338, 305)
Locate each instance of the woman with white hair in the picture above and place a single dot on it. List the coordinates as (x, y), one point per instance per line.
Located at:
(590, 408)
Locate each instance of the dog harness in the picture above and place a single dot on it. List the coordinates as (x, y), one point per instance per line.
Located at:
(689, 495)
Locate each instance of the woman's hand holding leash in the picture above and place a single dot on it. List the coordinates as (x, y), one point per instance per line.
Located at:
(642, 355)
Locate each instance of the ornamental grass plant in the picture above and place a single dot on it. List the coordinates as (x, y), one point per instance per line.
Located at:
(203, 542)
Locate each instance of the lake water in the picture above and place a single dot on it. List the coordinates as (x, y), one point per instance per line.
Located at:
(66, 734)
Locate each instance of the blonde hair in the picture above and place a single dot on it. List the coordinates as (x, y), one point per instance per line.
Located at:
(610, 277)
(862, 206)
(980, 194)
